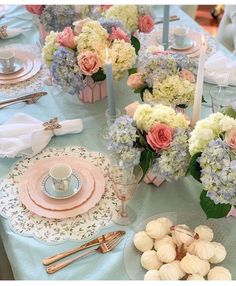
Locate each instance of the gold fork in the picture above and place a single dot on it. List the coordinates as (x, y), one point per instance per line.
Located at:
(103, 248)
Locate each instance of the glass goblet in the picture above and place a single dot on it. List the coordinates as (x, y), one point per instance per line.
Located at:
(222, 97)
(126, 180)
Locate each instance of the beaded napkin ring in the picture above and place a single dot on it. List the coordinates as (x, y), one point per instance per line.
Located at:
(3, 32)
(51, 125)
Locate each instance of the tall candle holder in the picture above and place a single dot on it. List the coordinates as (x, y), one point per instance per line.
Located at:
(199, 85)
(165, 33)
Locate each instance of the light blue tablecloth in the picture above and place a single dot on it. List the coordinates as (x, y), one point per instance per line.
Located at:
(25, 253)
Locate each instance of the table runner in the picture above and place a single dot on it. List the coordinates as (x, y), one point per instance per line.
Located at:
(50, 231)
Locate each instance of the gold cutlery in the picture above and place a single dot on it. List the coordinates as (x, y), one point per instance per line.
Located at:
(29, 99)
(97, 241)
(171, 18)
(102, 248)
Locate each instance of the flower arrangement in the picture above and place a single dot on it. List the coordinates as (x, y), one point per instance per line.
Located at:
(55, 17)
(74, 54)
(134, 17)
(156, 137)
(162, 77)
(212, 146)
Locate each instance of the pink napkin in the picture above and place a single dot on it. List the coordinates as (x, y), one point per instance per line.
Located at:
(232, 212)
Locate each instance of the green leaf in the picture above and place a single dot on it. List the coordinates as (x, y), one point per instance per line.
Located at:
(211, 209)
(146, 160)
(194, 167)
(229, 111)
(132, 70)
(99, 75)
(135, 43)
(182, 105)
(203, 99)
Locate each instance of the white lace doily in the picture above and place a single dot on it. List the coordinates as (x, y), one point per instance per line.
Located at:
(81, 227)
(33, 84)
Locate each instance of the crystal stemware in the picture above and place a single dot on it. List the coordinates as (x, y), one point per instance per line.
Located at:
(126, 180)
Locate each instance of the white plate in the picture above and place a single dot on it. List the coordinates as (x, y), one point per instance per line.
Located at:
(220, 227)
(17, 66)
(185, 47)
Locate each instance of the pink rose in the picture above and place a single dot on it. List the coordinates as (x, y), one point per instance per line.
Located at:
(105, 7)
(66, 38)
(79, 25)
(230, 138)
(160, 137)
(88, 62)
(35, 9)
(118, 34)
(188, 75)
(135, 81)
(145, 24)
(130, 109)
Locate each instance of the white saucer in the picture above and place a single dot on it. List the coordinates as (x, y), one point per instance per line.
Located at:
(188, 45)
(17, 66)
(49, 190)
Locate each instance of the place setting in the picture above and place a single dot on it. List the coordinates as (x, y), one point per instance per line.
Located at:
(17, 65)
(186, 41)
(61, 187)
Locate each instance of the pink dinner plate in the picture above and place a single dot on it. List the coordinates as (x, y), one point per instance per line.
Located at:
(38, 197)
(27, 61)
(99, 188)
(24, 73)
(196, 38)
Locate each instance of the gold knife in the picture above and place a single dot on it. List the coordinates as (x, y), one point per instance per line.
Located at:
(28, 97)
(100, 239)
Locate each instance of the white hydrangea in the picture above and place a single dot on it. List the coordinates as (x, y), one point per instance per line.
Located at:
(93, 37)
(208, 129)
(50, 47)
(146, 116)
(123, 57)
(128, 14)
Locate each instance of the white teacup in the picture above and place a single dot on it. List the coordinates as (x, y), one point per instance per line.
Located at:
(180, 36)
(7, 60)
(61, 177)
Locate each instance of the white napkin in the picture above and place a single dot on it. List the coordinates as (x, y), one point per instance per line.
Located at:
(220, 69)
(25, 135)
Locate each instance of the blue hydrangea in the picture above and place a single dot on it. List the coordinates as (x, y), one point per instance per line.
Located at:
(156, 67)
(57, 17)
(122, 135)
(65, 71)
(173, 163)
(107, 24)
(218, 172)
(184, 62)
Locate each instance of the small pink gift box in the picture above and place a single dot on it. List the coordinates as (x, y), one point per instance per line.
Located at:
(232, 212)
(150, 178)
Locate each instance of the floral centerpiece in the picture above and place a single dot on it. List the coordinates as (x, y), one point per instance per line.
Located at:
(163, 77)
(134, 17)
(77, 55)
(156, 137)
(57, 17)
(212, 146)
